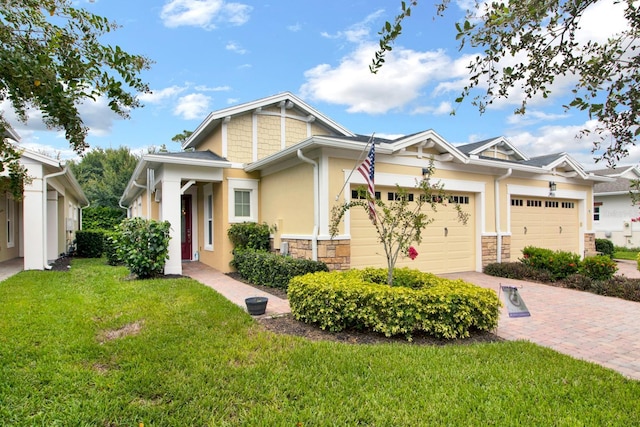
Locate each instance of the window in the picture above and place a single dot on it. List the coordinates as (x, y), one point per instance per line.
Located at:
(596, 211)
(534, 203)
(516, 202)
(208, 217)
(461, 200)
(568, 205)
(243, 200)
(11, 211)
(551, 204)
(396, 196)
(361, 194)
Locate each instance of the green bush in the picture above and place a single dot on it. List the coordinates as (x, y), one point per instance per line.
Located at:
(440, 307)
(250, 235)
(143, 245)
(599, 267)
(559, 264)
(89, 243)
(110, 248)
(605, 247)
(272, 270)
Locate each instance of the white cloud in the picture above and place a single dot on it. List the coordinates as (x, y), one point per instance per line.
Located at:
(294, 28)
(203, 88)
(234, 47)
(358, 32)
(192, 106)
(532, 117)
(439, 110)
(203, 13)
(558, 139)
(392, 88)
(158, 96)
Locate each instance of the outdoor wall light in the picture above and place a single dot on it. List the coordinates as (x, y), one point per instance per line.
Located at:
(552, 188)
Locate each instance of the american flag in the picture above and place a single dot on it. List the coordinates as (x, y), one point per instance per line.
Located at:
(367, 169)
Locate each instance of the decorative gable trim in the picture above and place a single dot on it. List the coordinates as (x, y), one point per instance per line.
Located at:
(502, 143)
(285, 100)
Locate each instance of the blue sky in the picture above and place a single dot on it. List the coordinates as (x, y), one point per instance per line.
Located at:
(211, 54)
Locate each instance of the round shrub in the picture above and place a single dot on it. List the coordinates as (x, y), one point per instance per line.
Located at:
(361, 299)
(605, 247)
(599, 267)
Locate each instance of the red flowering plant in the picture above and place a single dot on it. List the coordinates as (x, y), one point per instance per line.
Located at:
(412, 253)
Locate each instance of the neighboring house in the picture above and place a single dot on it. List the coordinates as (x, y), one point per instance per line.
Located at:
(279, 161)
(42, 225)
(615, 217)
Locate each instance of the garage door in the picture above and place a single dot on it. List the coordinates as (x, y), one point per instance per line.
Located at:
(544, 223)
(447, 245)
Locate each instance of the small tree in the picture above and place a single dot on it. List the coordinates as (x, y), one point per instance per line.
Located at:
(143, 245)
(399, 223)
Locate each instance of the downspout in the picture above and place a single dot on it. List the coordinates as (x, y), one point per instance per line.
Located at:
(81, 209)
(496, 195)
(45, 218)
(316, 204)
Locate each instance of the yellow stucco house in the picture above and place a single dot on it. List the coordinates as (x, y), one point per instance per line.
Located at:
(278, 160)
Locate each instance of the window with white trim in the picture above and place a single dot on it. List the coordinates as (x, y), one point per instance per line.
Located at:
(243, 200)
(11, 213)
(208, 217)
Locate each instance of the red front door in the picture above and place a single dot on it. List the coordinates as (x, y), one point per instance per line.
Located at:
(185, 239)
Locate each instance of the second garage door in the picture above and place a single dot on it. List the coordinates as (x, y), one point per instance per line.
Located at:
(544, 223)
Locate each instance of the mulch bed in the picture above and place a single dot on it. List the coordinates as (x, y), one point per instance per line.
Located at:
(289, 326)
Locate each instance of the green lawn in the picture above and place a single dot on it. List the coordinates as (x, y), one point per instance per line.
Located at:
(632, 255)
(89, 348)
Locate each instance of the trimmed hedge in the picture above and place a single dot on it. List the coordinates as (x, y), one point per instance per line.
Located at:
(272, 270)
(250, 235)
(89, 243)
(357, 299)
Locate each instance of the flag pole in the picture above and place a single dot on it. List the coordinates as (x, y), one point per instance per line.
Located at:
(364, 150)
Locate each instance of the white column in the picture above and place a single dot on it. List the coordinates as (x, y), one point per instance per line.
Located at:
(33, 211)
(171, 212)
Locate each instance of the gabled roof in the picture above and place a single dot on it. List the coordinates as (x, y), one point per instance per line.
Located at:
(477, 148)
(186, 158)
(61, 170)
(428, 139)
(560, 162)
(629, 172)
(286, 99)
(10, 132)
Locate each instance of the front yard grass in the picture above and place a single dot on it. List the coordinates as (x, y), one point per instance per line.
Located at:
(89, 347)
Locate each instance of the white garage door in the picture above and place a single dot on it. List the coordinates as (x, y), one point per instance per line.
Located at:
(544, 223)
(447, 244)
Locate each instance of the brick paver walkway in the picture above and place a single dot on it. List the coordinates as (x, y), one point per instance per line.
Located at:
(599, 329)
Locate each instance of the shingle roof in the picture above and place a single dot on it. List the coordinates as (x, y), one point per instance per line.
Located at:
(542, 160)
(617, 186)
(196, 155)
(468, 148)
